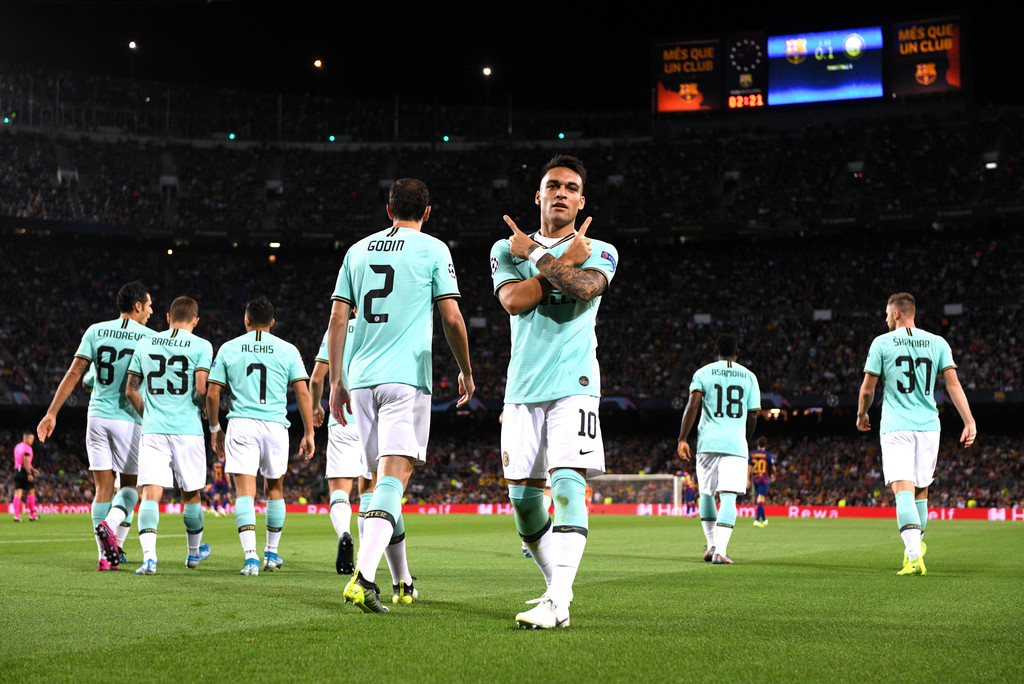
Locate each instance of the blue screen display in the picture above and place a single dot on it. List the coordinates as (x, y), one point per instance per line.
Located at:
(825, 66)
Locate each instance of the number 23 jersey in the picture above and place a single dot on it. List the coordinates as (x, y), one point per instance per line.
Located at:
(730, 391)
(167, 363)
(910, 360)
(393, 279)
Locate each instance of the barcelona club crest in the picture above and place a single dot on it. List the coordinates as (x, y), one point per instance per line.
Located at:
(926, 73)
(688, 92)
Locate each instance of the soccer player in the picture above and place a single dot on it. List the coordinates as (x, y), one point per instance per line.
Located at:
(689, 491)
(551, 284)
(114, 428)
(167, 387)
(25, 476)
(910, 360)
(257, 368)
(394, 276)
(219, 491)
(760, 472)
(727, 398)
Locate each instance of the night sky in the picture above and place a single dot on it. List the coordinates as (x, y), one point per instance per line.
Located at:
(552, 56)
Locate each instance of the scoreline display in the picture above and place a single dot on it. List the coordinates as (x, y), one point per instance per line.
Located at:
(754, 69)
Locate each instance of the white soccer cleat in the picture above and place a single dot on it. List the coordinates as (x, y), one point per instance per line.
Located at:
(546, 615)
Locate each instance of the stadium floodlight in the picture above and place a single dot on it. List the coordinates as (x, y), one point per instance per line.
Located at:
(487, 71)
(132, 45)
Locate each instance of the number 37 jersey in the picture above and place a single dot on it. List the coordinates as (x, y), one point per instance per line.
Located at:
(167, 363)
(730, 391)
(910, 360)
(393, 279)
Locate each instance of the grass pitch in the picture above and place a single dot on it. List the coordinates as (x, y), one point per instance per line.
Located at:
(807, 600)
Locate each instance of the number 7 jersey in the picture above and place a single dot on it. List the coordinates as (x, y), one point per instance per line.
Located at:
(730, 391)
(258, 368)
(910, 360)
(393, 279)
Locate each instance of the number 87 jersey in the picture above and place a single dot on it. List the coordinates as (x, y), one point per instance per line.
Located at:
(910, 360)
(109, 346)
(730, 391)
(393, 278)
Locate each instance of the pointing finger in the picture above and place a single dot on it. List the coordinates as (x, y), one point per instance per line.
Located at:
(512, 225)
(582, 232)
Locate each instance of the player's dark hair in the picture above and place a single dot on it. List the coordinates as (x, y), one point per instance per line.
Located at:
(259, 311)
(183, 309)
(129, 294)
(27, 431)
(566, 161)
(726, 345)
(762, 442)
(904, 301)
(408, 199)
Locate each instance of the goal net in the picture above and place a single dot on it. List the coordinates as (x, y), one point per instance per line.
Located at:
(655, 489)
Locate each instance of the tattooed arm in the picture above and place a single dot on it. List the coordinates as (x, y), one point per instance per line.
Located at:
(132, 394)
(580, 284)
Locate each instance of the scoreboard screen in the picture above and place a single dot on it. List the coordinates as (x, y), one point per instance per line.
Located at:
(824, 67)
(753, 70)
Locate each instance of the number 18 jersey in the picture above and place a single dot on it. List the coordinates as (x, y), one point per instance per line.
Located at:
(393, 279)
(730, 391)
(910, 360)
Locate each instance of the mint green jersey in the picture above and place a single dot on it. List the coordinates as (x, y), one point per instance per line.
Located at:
(257, 368)
(910, 360)
(322, 357)
(109, 346)
(393, 278)
(554, 345)
(730, 392)
(167, 363)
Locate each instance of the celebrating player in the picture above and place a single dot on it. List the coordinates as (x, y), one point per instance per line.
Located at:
(551, 284)
(910, 360)
(114, 428)
(727, 397)
(257, 368)
(25, 476)
(167, 387)
(394, 276)
(760, 471)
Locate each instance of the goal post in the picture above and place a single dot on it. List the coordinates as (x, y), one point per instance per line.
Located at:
(658, 488)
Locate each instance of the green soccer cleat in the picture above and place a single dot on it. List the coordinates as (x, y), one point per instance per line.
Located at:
(924, 550)
(364, 595)
(914, 567)
(404, 593)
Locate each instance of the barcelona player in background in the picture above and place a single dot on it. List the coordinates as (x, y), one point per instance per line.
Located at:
(760, 470)
(219, 489)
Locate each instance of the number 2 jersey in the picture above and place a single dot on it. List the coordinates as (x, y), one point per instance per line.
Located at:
(258, 368)
(910, 360)
(167, 363)
(730, 391)
(393, 279)
(108, 346)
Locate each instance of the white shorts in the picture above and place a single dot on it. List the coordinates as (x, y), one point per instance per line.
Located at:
(393, 419)
(345, 452)
(562, 433)
(910, 455)
(113, 444)
(166, 458)
(256, 445)
(721, 473)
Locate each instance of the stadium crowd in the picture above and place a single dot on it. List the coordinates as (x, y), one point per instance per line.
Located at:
(805, 302)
